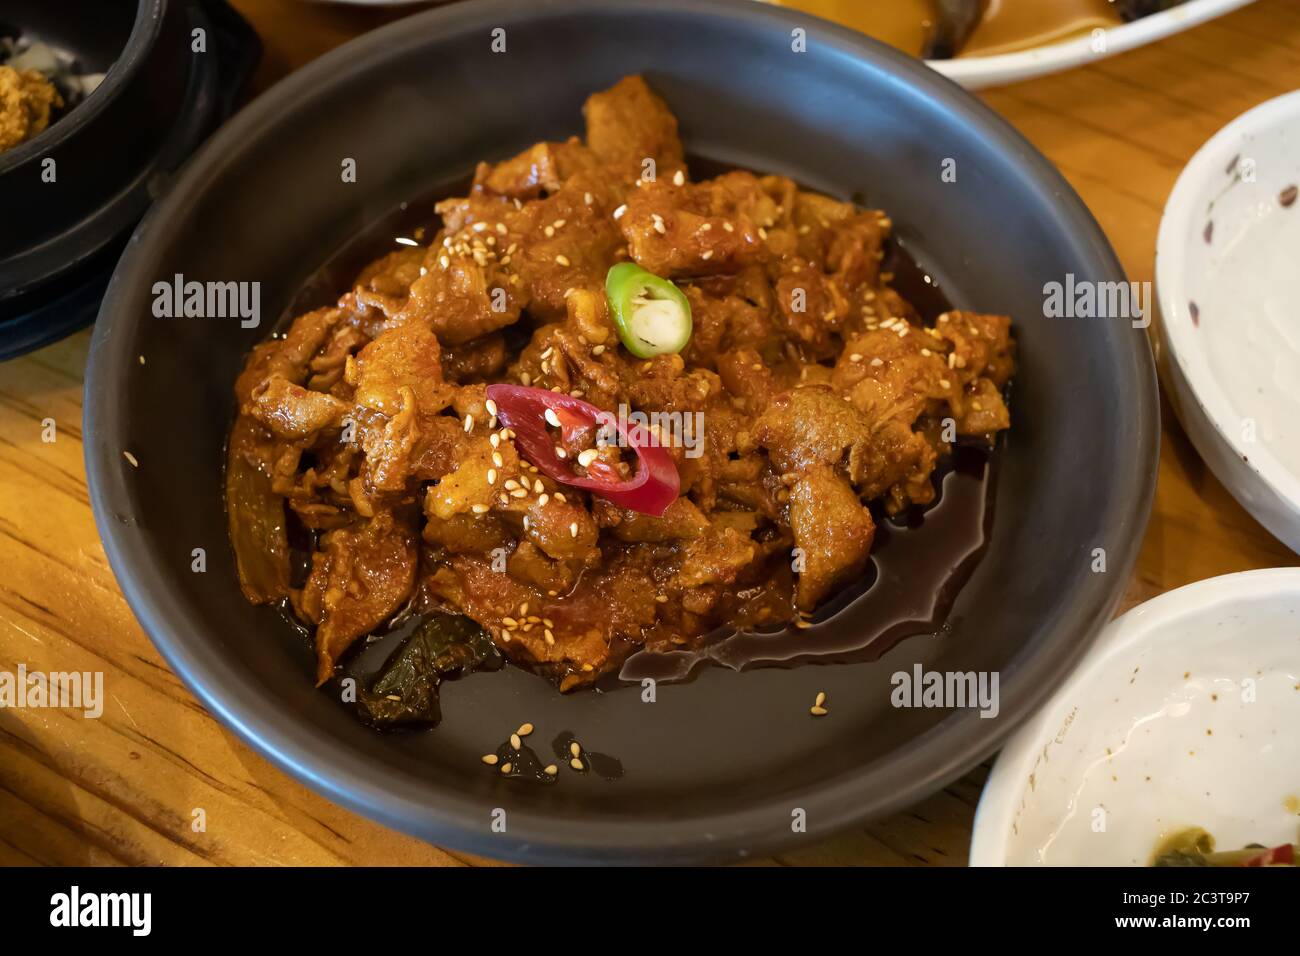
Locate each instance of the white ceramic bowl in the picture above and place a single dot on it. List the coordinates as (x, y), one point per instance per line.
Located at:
(1228, 288)
(976, 72)
(1184, 714)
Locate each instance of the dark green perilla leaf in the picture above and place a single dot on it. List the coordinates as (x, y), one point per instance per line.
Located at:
(442, 646)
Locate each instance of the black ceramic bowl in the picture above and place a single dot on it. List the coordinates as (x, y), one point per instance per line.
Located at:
(112, 152)
(719, 767)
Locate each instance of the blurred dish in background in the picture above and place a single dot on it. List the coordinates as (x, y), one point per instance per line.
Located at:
(38, 84)
(1228, 337)
(985, 42)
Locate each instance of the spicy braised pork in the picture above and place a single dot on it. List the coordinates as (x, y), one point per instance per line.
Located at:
(820, 390)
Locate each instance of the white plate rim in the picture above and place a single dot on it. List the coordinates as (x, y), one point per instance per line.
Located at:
(1175, 326)
(1002, 791)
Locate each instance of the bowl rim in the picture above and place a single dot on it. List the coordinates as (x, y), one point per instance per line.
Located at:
(938, 756)
(145, 28)
(977, 72)
(1175, 225)
(1001, 796)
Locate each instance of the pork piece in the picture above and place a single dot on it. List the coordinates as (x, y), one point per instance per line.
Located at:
(289, 357)
(398, 378)
(812, 308)
(716, 557)
(980, 410)
(330, 363)
(856, 248)
(981, 345)
(681, 522)
(524, 176)
(628, 124)
(293, 412)
(467, 533)
(745, 375)
(392, 274)
(466, 291)
(360, 576)
(730, 312)
(814, 425)
(833, 531)
(697, 229)
(892, 376)
(408, 356)
(479, 359)
(619, 601)
(467, 489)
(565, 242)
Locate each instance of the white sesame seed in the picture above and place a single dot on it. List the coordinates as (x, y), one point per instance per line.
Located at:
(573, 529)
(135, 463)
(618, 213)
(562, 260)
(585, 458)
(877, 362)
(560, 452)
(492, 476)
(469, 423)
(679, 179)
(855, 357)
(551, 418)
(525, 378)
(479, 509)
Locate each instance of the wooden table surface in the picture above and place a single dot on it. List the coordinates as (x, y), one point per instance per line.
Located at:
(121, 789)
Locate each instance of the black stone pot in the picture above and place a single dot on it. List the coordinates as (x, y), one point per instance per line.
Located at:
(112, 154)
(720, 767)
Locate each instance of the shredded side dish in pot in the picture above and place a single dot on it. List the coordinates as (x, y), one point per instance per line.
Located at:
(458, 434)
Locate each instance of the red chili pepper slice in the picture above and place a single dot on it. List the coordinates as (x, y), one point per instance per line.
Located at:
(650, 491)
(1283, 855)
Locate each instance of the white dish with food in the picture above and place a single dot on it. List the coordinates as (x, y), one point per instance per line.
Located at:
(1228, 288)
(1182, 716)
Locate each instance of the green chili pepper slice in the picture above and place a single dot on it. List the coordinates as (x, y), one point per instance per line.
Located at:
(652, 315)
